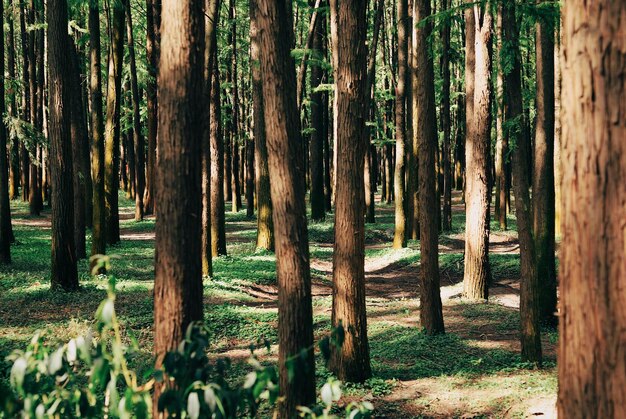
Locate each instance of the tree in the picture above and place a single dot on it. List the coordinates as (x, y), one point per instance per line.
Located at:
(218, 220)
(112, 127)
(592, 353)
(233, 124)
(25, 159)
(265, 225)
(350, 362)
(98, 231)
(286, 165)
(14, 164)
(34, 192)
(64, 272)
(178, 271)
(543, 171)
(477, 148)
(153, 41)
(5, 209)
(399, 239)
(446, 123)
(431, 314)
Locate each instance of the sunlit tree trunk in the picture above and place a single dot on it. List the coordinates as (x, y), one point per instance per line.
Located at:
(218, 227)
(153, 41)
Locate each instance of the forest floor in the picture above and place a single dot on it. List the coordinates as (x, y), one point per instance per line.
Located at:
(472, 371)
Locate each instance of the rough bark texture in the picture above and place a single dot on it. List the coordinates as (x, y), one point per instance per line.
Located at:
(98, 231)
(501, 151)
(543, 173)
(112, 128)
(153, 40)
(431, 315)
(399, 239)
(34, 193)
(282, 126)
(477, 148)
(265, 226)
(558, 163)
(514, 119)
(178, 271)
(14, 163)
(351, 361)
(233, 125)
(592, 342)
(5, 209)
(64, 272)
(218, 221)
(446, 123)
(24, 157)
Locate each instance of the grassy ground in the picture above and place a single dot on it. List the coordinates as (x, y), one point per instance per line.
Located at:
(472, 371)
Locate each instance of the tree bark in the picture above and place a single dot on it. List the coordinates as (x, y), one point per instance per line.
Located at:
(477, 148)
(14, 163)
(399, 239)
(350, 362)
(5, 209)
(178, 271)
(265, 226)
(218, 228)
(153, 41)
(112, 128)
(64, 272)
(285, 146)
(431, 314)
(34, 192)
(592, 344)
(24, 157)
(446, 123)
(234, 124)
(543, 172)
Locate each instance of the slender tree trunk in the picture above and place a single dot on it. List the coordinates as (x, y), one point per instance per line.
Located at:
(445, 121)
(218, 227)
(178, 270)
(543, 172)
(592, 347)
(501, 140)
(112, 128)
(234, 125)
(431, 315)
(153, 40)
(64, 272)
(6, 232)
(477, 148)
(34, 192)
(350, 362)
(558, 161)
(265, 227)
(14, 163)
(282, 125)
(98, 231)
(25, 159)
(400, 238)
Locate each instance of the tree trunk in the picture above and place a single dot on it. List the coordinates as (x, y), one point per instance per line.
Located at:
(24, 157)
(265, 227)
(445, 121)
(234, 124)
(5, 209)
(399, 239)
(153, 41)
(558, 161)
(477, 148)
(543, 173)
(431, 315)
(592, 346)
(14, 163)
(501, 153)
(112, 128)
(218, 227)
(98, 231)
(350, 362)
(64, 272)
(530, 334)
(34, 192)
(178, 270)
(282, 126)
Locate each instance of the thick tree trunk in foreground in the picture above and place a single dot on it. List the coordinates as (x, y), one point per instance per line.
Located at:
(153, 40)
(98, 232)
(5, 209)
(399, 239)
(431, 315)
(350, 362)
(592, 343)
(265, 226)
(64, 272)
(112, 127)
(178, 271)
(543, 173)
(282, 126)
(477, 148)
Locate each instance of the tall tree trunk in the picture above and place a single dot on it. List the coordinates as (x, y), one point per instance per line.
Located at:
(592, 347)
(218, 221)
(446, 123)
(112, 128)
(178, 270)
(265, 226)
(317, 122)
(34, 193)
(350, 362)
(153, 41)
(431, 315)
(282, 126)
(399, 239)
(24, 157)
(501, 153)
(530, 334)
(5, 209)
(98, 231)
(14, 163)
(234, 124)
(543, 172)
(64, 271)
(138, 143)
(477, 148)
(558, 162)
